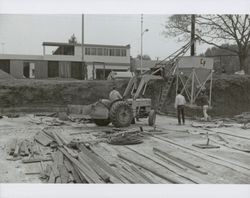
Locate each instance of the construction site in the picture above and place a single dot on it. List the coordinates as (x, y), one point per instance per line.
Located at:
(70, 131)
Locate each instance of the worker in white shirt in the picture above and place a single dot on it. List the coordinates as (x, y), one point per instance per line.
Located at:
(114, 95)
(179, 105)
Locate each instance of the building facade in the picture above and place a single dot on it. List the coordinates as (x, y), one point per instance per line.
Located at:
(68, 60)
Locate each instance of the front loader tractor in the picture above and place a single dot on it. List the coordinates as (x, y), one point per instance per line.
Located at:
(121, 113)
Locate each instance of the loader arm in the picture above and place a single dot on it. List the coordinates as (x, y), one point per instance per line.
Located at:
(141, 87)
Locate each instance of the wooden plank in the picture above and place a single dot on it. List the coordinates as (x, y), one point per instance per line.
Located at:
(137, 179)
(172, 169)
(35, 160)
(64, 175)
(89, 170)
(139, 172)
(84, 171)
(170, 161)
(17, 149)
(62, 138)
(180, 165)
(155, 171)
(12, 146)
(57, 139)
(79, 174)
(95, 167)
(43, 139)
(114, 176)
(209, 157)
(180, 161)
(71, 169)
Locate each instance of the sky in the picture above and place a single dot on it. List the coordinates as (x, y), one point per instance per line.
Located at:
(24, 33)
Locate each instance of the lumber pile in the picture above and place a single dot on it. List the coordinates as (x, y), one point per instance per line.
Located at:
(242, 118)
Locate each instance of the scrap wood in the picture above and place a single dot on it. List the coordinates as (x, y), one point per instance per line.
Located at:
(17, 149)
(229, 133)
(167, 167)
(43, 138)
(154, 171)
(231, 145)
(82, 132)
(57, 139)
(246, 126)
(170, 161)
(180, 161)
(105, 177)
(198, 125)
(12, 146)
(35, 160)
(139, 172)
(63, 172)
(71, 169)
(212, 158)
(136, 178)
(84, 171)
(114, 176)
(23, 149)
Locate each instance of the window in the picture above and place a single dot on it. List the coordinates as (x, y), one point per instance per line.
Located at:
(117, 52)
(105, 51)
(112, 52)
(93, 51)
(99, 51)
(87, 51)
(123, 52)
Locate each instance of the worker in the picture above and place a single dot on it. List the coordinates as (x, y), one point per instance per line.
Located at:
(180, 106)
(114, 95)
(204, 104)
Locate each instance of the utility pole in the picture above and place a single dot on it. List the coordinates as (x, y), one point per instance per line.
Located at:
(192, 51)
(84, 75)
(141, 43)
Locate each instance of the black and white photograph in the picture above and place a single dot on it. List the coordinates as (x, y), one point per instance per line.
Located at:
(124, 98)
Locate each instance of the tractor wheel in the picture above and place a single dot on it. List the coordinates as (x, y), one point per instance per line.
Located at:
(151, 118)
(121, 114)
(101, 122)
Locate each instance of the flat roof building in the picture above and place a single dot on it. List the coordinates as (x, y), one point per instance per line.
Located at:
(65, 61)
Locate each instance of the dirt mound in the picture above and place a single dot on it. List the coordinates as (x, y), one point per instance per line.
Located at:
(40, 93)
(231, 94)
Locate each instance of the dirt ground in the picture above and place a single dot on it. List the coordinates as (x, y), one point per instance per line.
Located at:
(223, 165)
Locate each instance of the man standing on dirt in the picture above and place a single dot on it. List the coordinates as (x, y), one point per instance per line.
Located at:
(204, 104)
(179, 105)
(114, 95)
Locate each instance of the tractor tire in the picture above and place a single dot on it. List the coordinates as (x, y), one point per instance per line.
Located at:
(151, 118)
(121, 114)
(101, 122)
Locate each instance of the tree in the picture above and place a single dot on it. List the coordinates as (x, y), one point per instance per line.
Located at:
(73, 39)
(214, 30)
(144, 57)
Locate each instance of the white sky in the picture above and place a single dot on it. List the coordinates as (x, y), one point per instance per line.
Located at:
(24, 34)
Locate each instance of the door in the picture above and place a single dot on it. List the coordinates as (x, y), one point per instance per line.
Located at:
(53, 69)
(77, 70)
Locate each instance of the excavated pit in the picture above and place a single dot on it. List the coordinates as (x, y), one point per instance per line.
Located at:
(231, 94)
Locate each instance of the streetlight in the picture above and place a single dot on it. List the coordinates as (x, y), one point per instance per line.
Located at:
(142, 33)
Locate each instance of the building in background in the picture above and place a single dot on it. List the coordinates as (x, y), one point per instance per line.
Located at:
(64, 60)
